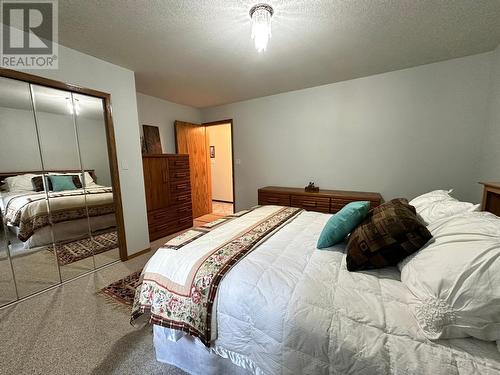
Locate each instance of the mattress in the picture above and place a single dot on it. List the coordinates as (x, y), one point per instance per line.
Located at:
(289, 308)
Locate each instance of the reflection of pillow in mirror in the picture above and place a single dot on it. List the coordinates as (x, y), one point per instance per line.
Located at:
(20, 183)
(76, 179)
(89, 181)
(62, 182)
(37, 183)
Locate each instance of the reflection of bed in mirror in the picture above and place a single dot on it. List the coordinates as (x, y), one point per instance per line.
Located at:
(35, 224)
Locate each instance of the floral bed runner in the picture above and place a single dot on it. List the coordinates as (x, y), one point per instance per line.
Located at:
(180, 281)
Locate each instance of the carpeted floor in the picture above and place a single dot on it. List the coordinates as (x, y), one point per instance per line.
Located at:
(75, 330)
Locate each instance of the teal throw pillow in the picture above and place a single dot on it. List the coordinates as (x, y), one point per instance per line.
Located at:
(62, 182)
(342, 223)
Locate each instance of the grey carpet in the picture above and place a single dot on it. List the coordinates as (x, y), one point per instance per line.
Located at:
(74, 330)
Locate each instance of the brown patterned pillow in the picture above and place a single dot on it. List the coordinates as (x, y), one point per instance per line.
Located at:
(389, 234)
(37, 183)
(391, 203)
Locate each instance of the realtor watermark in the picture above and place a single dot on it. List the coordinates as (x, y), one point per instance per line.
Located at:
(28, 34)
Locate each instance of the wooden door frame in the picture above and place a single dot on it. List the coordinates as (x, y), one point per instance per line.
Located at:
(212, 123)
(110, 140)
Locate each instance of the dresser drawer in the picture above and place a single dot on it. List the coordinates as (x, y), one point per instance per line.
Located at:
(170, 213)
(178, 174)
(274, 199)
(159, 230)
(179, 186)
(311, 203)
(167, 221)
(178, 163)
(180, 197)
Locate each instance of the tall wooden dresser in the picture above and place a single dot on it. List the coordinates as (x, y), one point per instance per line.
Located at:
(328, 201)
(168, 194)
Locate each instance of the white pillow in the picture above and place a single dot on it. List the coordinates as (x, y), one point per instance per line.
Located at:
(439, 204)
(444, 209)
(432, 196)
(455, 279)
(89, 181)
(20, 183)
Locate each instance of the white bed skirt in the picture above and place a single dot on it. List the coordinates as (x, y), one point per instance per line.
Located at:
(190, 355)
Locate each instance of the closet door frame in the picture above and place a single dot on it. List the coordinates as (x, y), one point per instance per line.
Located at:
(110, 139)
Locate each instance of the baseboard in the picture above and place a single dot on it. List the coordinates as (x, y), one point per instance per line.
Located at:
(217, 200)
(139, 253)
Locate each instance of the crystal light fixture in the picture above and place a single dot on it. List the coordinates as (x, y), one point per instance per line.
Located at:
(261, 25)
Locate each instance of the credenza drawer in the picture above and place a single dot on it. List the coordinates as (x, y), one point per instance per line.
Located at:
(311, 203)
(274, 199)
(337, 204)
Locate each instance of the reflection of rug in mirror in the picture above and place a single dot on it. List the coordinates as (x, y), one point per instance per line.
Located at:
(123, 290)
(77, 250)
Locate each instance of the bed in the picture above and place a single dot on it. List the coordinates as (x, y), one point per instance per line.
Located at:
(28, 216)
(289, 308)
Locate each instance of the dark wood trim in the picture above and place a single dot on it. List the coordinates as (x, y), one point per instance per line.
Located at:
(222, 122)
(47, 82)
(115, 178)
(110, 134)
(139, 253)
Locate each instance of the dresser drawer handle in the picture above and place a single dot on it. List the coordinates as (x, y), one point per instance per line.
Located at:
(273, 200)
(183, 209)
(178, 162)
(309, 204)
(182, 186)
(180, 174)
(183, 198)
(185, 220)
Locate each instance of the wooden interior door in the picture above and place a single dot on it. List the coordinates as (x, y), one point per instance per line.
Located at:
(192, 139)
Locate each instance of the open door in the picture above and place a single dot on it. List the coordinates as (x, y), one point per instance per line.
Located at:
(192, 139)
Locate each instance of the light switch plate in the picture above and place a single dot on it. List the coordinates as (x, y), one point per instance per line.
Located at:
(124, 165)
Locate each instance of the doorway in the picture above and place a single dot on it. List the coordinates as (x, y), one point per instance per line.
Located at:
(210, 149)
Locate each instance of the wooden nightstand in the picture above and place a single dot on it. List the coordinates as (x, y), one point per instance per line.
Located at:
(491, 197)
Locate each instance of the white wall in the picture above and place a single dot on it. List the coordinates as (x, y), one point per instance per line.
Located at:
(18, 141)
(400, 133)
(20, 151)
(489, 166)
(219, 136)
(90, 72)
(161, 113)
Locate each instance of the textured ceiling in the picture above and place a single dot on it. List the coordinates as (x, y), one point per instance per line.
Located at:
(200, 53)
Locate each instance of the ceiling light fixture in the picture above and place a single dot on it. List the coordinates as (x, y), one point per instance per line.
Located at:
(261, 25)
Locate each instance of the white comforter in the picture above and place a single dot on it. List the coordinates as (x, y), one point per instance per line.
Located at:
(288, 308)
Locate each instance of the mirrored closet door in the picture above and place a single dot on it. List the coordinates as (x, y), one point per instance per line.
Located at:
(59, 192)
